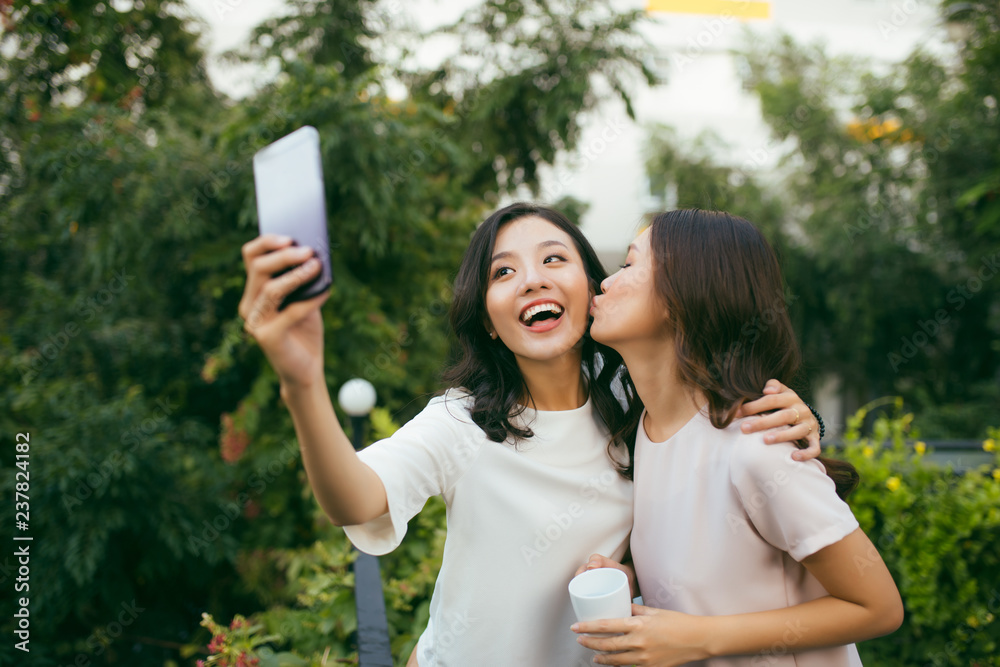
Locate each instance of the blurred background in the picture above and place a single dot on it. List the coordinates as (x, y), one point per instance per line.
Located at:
(862, 136)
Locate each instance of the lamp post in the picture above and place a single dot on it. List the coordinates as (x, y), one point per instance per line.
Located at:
(357, 398)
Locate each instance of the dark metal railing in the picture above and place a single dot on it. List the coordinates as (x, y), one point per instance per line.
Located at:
(962, 455)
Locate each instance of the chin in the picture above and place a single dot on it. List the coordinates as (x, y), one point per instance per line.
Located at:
(598, 334)
(548, 350)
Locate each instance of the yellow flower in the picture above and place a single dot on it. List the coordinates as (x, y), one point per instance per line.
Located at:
(996, 474)
(892, 483)
(920, 448)
(990, 445)
(868, 451)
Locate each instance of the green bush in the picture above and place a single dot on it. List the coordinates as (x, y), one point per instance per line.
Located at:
(937, 530)
(309, 593)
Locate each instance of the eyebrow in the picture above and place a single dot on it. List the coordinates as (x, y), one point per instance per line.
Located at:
(543, 244)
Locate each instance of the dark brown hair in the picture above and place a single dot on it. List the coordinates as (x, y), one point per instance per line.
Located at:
(721, 284)
(488, 370)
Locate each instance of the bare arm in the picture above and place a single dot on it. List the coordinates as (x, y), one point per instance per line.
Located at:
(292, 339)
(348, 490)
(863, 603)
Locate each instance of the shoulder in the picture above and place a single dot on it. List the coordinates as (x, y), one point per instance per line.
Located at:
(454, 395)
(450, 410)
(751, 460)
(456, 402)
(442, 433)
(793, 505)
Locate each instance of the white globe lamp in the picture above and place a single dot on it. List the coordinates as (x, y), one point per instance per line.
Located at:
(356, 397)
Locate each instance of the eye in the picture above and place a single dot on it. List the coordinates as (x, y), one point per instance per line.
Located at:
(501, 272)
(625, 265)
(551, 258)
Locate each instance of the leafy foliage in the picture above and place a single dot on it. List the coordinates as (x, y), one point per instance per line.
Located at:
(164, 468)
(308, 591)
(514, 84)
(934, 528)
(881, 212)
(312, 610)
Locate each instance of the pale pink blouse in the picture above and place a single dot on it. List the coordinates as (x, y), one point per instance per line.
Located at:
(721, 523)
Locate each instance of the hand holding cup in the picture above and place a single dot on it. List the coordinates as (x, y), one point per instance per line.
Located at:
(600, 594)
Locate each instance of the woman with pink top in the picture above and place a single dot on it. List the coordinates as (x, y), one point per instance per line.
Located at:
(743, 555)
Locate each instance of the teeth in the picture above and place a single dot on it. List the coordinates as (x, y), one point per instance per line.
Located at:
(534, 310)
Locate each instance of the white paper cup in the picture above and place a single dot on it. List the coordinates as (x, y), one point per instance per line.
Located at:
(601, 593)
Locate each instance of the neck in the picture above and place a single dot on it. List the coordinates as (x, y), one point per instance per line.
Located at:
(670, 403)
(555, 384)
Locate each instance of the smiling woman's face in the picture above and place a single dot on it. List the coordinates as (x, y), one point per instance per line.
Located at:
(538, 298)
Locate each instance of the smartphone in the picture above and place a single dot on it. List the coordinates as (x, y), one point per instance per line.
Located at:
(288, 180)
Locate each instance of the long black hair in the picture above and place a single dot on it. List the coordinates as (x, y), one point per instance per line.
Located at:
(489, 371)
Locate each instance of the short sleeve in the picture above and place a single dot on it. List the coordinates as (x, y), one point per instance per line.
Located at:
(424, 458)
(793, 504)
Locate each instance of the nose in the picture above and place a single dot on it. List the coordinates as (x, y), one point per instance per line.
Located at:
(609, 281)
(533, 280)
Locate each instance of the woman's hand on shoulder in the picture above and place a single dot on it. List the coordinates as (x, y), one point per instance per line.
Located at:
(292, 338)
(597, 561)
(785, 408)
(651, 637)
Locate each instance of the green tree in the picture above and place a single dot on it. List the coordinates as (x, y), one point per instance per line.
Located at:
(886, 218)
(163, 468)
(521, 77)
(102, 320)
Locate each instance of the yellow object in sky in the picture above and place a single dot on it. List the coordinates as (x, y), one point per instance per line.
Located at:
(741, 9)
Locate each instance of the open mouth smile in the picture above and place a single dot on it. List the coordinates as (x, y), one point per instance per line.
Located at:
(542, 315)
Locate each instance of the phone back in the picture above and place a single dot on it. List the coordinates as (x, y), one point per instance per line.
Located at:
(288, 178)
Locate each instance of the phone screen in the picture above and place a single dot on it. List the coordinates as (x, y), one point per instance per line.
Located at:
(288, 179)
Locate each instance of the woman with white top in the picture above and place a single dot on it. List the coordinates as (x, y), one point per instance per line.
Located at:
(742, 555)
(528, 449)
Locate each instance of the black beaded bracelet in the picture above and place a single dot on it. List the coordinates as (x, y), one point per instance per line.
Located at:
(822, 426)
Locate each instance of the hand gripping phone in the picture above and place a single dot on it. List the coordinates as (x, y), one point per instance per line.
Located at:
(288, 179)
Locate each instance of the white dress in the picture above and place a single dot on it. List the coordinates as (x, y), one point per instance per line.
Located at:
(721, 523)
(521, 520)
